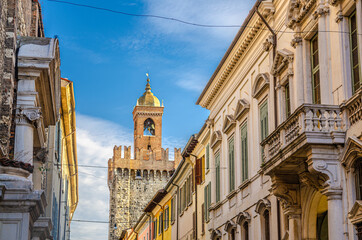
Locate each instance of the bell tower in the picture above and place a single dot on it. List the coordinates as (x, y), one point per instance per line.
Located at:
(147, 119)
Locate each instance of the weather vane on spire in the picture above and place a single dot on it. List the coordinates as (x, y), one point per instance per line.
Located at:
(148, 77)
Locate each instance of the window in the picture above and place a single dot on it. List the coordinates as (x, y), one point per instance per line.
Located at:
(148, 127)
(207, 156)
(203, 218)
(263, 123)
(155, 229)
(138, 174)
(188, 191)
(287, 100)
(355, 63)
(266, 225)
(246, 231)
(244, 151)
(231, 165)
(358, 178)
(217, 169)
(315, 70)
(160, 224)
(232, 234)
(167, 217)
(172, 210)
(207, 201)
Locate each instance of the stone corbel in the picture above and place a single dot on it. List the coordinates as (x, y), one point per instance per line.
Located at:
(321, 11)
(297, 40)
(339, 16)
(288, 194)
(268, 43)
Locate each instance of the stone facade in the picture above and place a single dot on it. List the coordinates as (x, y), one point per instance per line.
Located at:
(132, 182)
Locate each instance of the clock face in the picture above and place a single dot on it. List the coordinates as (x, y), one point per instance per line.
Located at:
(149, 127)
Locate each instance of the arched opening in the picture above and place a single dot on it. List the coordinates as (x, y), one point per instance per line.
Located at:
(266, 221)
(322, 219)
(138, 174)
(245, 231)
(358, 178)
(149, 127)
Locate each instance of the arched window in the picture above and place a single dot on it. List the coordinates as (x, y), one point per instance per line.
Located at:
(149, 127)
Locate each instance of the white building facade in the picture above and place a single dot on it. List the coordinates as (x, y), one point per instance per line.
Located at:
(285, 124)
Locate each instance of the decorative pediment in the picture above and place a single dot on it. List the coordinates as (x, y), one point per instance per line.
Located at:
(355, 215)
(230, 225)
(242, 107)
(353, 150)
(261, 84)
(242, 217)
(229, 123)
(297, 10)
(216, 138)
(283, 59)
(261, 205)
(215, 234)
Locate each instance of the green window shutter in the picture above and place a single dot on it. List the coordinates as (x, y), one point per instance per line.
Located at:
(263, 123)
(354, 53)
(207, 156)
(208, 200)
(205, 202)
(231, 165)
(315, 70)
(217, 168)
(244, 152)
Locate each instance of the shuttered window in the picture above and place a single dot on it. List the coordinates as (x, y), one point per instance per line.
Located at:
(217, 176)
(287, 100)
(160, 224)
(355, 61)
(231, 165)
(172, 210)
(203, 219)
(207, 201)
(167, 217)
(207, 156)
(263, 123)
(155, 229)
(315, 70)
(244, 152)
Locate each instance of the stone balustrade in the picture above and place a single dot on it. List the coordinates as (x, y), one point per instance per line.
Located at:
(353, 108)
(310, 123)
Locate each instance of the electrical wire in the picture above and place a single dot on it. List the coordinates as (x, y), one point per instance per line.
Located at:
(190, 23)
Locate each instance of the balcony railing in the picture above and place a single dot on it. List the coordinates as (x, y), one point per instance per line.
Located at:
(318, 123)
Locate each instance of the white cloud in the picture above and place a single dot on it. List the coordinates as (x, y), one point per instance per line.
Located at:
(95, 141)
(192, 81)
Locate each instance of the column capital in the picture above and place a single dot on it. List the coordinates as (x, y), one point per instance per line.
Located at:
(28, 115)
(321, 11)
(332, 193)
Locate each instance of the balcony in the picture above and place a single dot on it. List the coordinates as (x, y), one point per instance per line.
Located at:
(309, 125)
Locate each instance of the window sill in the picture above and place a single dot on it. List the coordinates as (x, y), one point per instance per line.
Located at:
(244, 184)
(172, 222)
(182, 213)
(232, 194)
(216, 205)
(207, 171)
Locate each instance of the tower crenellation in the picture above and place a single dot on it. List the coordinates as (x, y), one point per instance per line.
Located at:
(142, 174)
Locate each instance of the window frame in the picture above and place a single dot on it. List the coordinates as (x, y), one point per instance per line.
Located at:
(217, 177)
(264, 129)
(231, 160)
(351, 49)
(314, 70)
(244, 155)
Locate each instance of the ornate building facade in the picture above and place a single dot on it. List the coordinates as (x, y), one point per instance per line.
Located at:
(132, 182)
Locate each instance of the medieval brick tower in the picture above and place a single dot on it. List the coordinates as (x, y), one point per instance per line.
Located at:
(133, 182)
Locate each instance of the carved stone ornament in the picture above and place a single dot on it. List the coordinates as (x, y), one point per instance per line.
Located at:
(28, 115)
(230, 225)
(297, 11)
(288, 194)
(282, 60)
(268, 43)
(215, 234)
(242, 107)
(242, 217)
(229, 123)
(339, 16)
(297, 40)
(216, 138)
(261, 205)
(321, 11)
(355, 215)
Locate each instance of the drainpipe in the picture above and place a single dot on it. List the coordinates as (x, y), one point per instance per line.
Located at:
(275, 100)
(177, 210)
(195, 194)
(274, 53)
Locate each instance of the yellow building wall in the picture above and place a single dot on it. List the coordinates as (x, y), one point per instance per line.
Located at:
(168, 231)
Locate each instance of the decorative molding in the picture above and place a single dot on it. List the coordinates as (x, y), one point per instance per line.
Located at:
(230, 225)
(242, 107)
(28, 115)
(16, 164)
(339, 16)
(216, 138)
(261, 84)
(288, 194)
(242, 217)
(268, 43)
(320, 12)
(283, 59)
(297, 11)
(297, 40)
(353, 151)
(261, 205)
(355, 215)
(215, 234)
(229, 123)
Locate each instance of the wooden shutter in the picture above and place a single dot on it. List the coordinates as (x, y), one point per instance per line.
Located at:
(194, 225)
(203, 218)
(231, 165)
(207, 156)
(208, 200)
(217, 166)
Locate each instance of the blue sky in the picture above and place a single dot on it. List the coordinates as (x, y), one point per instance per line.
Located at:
(107, 56)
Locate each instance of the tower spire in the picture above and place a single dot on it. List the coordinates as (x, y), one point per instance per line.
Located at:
(148, 86)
